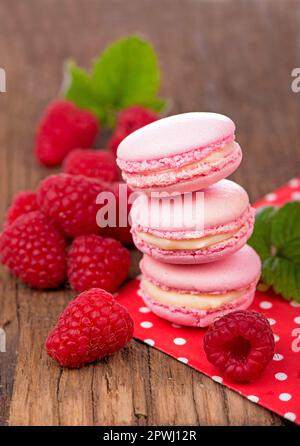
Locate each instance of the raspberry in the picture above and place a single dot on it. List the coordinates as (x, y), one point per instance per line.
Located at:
(120, 233)
(34, 250)
(240, 344)
(62, 128)
(129, 120)
(95, 261)
(135, 117)
(116, 138)
(22, 203)
(92, 163)
(93, 325)
(70, 201)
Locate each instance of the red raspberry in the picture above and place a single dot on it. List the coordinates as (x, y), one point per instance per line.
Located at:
(135, 117)
(93, 325)
(129, 120)
(63, 127)
(22, 203)
(241, 344)
(121, 233)
(116, 138)
(34, 250)
(70, 201)
(92, 163)
(95, 261)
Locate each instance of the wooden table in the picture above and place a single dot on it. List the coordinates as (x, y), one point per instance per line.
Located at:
(233, 57)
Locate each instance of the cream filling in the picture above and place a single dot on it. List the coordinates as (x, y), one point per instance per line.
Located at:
(190, 244)
(197, 301)
(211, 160)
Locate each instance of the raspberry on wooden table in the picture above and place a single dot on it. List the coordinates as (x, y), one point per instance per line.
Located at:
(70, 201)
(94, 261)
(116, 138)
(93, 326)
(92, 163)
(121, 233)
(62, 128)
(240, 344)
(129, 120)
(23, 202)
(34, 250)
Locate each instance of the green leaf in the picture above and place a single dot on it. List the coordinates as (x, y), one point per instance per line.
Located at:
(283, 275)
(276, 238)
(286, 228)
(156, 105)
(261, 237)
(127, 73)
(81, 90)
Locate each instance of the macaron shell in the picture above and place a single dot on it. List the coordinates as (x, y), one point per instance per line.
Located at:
(223, 203)
(234, 272)
(174, 135)
(197, 318)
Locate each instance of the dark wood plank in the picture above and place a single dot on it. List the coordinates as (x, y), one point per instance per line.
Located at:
(228, 56)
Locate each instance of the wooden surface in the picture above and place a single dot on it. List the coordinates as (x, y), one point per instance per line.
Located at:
(233, 57)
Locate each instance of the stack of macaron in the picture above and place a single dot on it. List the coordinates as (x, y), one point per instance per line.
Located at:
(189, 221)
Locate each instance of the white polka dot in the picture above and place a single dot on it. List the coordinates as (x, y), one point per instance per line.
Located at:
(265, 305)
(149, 342)
(281, 376)
(146, 324)
(276, 338)
(295, 196)
(271, 321)
(293, 303)
(290, 416)
(218, 379)
(285, 397)
(277, 357)
(294, 182)
(176, 325)
(179, 341)
(184, 360)
(271, 197)
(144, 310)
(253, 398)
(297, 320)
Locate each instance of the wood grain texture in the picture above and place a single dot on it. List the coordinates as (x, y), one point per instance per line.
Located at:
(233, 57)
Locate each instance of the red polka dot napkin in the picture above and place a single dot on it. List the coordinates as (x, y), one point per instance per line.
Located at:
(278, 389)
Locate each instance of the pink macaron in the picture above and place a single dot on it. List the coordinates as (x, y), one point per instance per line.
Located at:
(196, 295)
(195, 227)
(181, 153)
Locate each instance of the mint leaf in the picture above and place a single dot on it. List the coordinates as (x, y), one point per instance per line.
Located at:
(286, 229)
(127, 73)
(81, 90)
(283, 275)
(276, 238)
(261, 237)
(154, 104)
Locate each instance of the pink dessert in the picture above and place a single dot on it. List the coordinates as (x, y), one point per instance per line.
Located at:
(196, 295)
(181, 153)
(196, 227)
